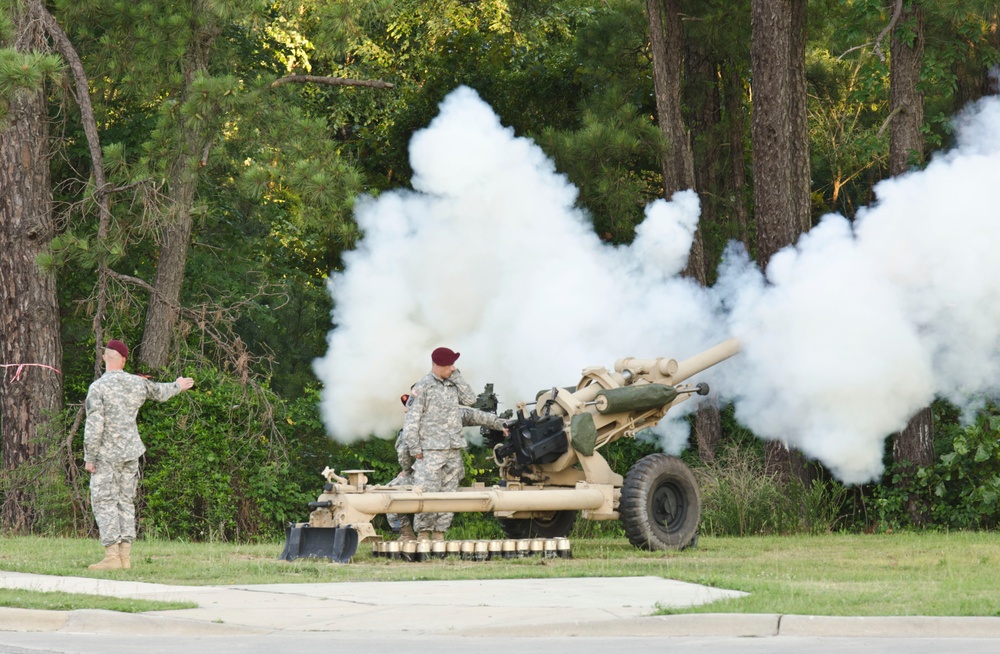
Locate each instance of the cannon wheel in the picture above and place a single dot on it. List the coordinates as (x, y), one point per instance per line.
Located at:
(660, 504)
(558, 525)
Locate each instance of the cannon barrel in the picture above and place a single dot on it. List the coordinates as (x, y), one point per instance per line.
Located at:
(603, 407)
(670, 371)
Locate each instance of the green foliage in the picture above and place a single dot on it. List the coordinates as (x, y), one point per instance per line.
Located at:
(961, 489)
(474, 526)
(6, 26)
(312, 450)
(518, 58)
(45, 494)
(740, 499)
(612, 158)
(848, 103)
(23, 72)
(216, 465)
(961, 49)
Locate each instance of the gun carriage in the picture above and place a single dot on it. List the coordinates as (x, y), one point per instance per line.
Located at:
(550, 468)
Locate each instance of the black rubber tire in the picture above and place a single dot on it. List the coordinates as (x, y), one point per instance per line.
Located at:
(558, 526)
(660, 505)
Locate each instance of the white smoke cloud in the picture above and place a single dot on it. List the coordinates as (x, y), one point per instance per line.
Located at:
(830, 364)
(489, 255)
(853, 329)
(860, 326)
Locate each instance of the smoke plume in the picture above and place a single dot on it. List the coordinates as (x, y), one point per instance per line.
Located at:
(849, 332)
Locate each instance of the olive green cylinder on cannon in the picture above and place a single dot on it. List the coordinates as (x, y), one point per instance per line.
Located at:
(641, 397)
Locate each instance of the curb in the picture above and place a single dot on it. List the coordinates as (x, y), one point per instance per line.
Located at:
(692, 625)
(722, 625)
(765, 625)
(100, 621)
(890, 626)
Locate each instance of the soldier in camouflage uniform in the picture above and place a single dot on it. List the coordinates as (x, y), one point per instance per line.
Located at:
(401, 522)
(112, 447)
(432, 434)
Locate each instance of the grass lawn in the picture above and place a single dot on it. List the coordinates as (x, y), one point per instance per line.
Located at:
(32, 599)
(945, 574)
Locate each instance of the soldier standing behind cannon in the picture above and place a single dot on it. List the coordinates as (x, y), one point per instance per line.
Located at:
(432, 434)
(402, 522)
(112, 447)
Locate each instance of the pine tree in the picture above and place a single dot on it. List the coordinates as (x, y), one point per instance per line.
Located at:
(31, 349)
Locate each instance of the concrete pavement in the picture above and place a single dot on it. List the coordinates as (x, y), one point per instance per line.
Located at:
(591, 607)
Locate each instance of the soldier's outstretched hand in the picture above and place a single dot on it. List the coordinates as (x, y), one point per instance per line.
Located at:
(185, 383)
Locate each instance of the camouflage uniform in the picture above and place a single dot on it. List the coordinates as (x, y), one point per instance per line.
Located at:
(111, 442)
(405, 478)
(433, 428)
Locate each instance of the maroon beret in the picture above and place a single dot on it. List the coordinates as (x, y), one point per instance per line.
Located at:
(118, 347)
(444, 357)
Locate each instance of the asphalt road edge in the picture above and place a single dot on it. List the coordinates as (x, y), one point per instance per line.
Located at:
(747, 625)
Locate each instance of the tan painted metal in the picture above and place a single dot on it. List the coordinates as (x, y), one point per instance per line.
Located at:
(574, 481)
(611, 427)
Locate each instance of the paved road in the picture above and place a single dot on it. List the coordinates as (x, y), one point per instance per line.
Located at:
(325, 643)
(529, 615)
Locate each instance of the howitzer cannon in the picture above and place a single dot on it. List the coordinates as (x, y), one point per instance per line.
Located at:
(550, 468)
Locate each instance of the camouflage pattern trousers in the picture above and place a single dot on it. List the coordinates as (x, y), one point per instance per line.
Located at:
(438, 470)
(112, 497)
(397, 521)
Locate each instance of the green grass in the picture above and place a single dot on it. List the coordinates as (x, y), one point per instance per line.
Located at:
(33, 599)
(945, 574)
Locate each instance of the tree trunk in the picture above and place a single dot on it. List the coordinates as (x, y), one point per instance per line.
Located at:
(161, 316)
(666, 39)
(798, 111)
(914, 446)
(702, 96)
(29, 308)
(734, 98)
(667, 45)
(164, 304)
(991, 84)
(778, 204)
(906, 103)
(780, 157)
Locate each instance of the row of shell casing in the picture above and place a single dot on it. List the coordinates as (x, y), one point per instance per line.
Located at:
(472, 550)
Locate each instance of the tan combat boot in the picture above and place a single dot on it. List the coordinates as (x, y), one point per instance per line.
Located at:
(424, 535)
(125, 554)
(111, 560)
(406, 533)
(438, 535)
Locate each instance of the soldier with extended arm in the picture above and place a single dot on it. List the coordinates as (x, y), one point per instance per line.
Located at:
(112, 447)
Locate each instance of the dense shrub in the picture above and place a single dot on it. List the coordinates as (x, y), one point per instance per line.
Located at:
(217, 464)
(961, 490)
(42, 490)
(740, 499)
